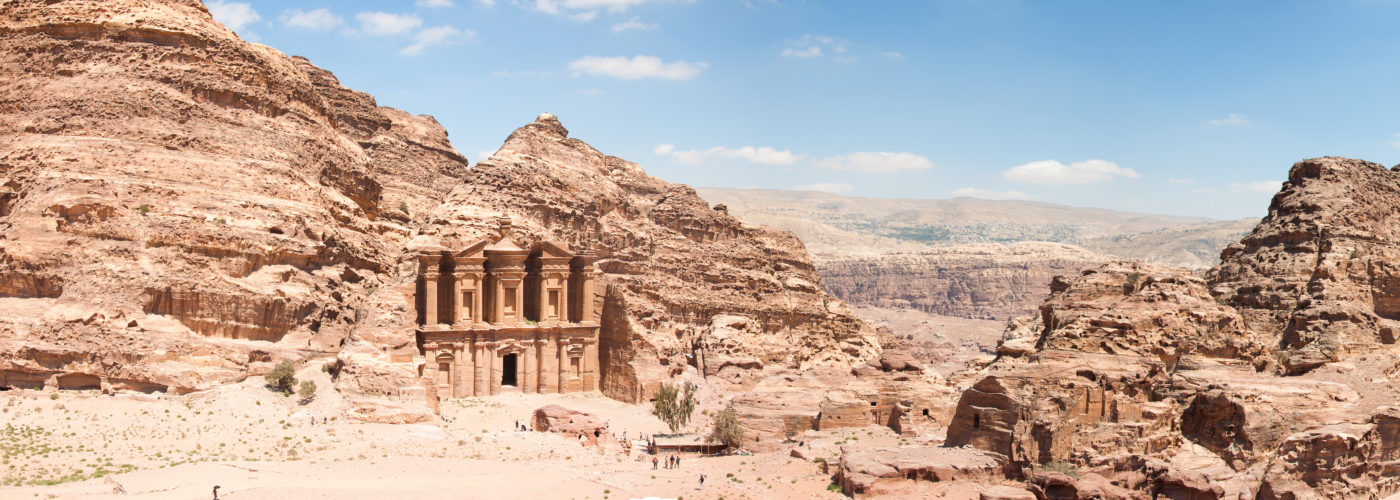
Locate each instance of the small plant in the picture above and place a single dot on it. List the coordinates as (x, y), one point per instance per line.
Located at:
(403, 207)
(1065, 468)
(1355, 253)
(1133, 278)
(307, 390)
(282, 377)
(833, 487)
(144, 209)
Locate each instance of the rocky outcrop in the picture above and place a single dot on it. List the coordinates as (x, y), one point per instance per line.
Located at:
(586, 427)
(886, 471)
(180, 209)
(685, 284)
(1317, 272)
(1145, 310)
(989, 281)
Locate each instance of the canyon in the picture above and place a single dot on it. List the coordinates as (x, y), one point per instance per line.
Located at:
(183, 210)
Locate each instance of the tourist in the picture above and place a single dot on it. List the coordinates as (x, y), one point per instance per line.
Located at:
(654, 461)
(678, 461)
(702, 481)
(216, 492)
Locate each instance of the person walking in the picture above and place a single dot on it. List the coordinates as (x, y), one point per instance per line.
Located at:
(702, 481)
(654, 461)
(678, 461)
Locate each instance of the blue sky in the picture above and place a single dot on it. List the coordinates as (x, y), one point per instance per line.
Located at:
(1181, 107)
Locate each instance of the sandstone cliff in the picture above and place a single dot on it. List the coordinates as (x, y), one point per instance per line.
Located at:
(686, 284)
(987, 281)
(181, 208)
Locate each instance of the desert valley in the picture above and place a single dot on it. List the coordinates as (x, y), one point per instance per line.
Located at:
(219, 267)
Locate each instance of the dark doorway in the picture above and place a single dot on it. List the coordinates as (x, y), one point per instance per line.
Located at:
(508, 369)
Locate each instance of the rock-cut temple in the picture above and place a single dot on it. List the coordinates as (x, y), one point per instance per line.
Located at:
(495, 316)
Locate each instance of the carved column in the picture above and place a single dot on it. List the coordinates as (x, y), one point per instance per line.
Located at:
(458, 277)
(562, 356)
(590, 365)
(431, 368)
(461, 360)
(583, 270)
(478, 315)
(527, 364)
(479, 370)
(429, 266)
(494, 376)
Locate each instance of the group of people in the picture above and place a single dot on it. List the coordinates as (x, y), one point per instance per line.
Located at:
(520, 425)
(672, 462)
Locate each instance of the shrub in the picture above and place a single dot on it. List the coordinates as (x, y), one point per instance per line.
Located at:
(403, 207)
(1065, 468)
(144, 209)
(282, 377)
(307, 390)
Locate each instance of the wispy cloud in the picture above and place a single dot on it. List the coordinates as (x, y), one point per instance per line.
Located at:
(434, 4)
(583, 17)
(1234, 120)
(987, 194)
(1255, 187)
(813, 46)
(760, 154)
(876, 161)
(638, 67)
(319, 19)
(437, 35)
(892, 55)
(632, 24)
(384, 23)
(1180, 180)
(234, 15)
(576, 7)
(1054, 172)
(826, 187)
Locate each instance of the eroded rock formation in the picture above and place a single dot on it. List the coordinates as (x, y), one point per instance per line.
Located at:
(181, 209)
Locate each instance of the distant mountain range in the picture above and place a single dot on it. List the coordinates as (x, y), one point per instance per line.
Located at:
(970, 257)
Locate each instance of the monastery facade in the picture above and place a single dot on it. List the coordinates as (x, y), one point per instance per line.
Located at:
(495, 316)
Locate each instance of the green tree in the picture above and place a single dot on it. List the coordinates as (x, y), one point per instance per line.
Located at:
(307, 391)
(727, 430)
(673, 407)
(282, 377)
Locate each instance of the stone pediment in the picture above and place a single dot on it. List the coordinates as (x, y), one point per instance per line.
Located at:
(553, 249)
(504, 246)
(474, 249)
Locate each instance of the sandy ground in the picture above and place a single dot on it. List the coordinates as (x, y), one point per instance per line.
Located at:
(255, 444)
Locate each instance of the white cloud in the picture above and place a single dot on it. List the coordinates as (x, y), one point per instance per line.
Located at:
(987, 194)
(892, 55)
(1396, 141)
(434, 4)
(1179, 180)
(807, 52)
(632, 24)
(760, 154)
(637, 67)
(1232, 120)
(584, 16)
(521, 74)
(485, 154)
(810, 46)
(437, 35)
(876, 161)
(574, 8)
(234, 15)
(319, 19)
(591, 92)
(826, 187)
(384, 23)
(486, 3)
(1054, 172)
(1255, 187)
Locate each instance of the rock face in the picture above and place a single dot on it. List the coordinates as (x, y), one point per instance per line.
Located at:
(884, 471)
(686, 284)
(1319, 269)
(975, 281)
(180, 209)
(1141, 375)
(590, 429)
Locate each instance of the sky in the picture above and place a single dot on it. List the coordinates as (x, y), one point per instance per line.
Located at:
(1171, 107)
